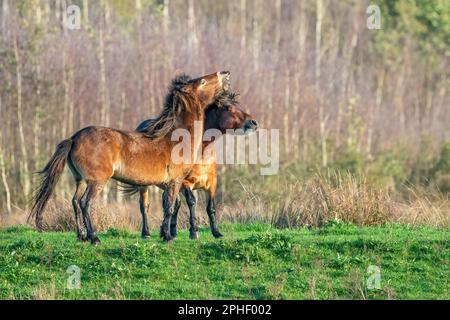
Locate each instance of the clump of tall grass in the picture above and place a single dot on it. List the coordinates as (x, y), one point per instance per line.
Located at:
(340, 197)
(334, 197)
(423, 207)
(59, 216)
(309, 202)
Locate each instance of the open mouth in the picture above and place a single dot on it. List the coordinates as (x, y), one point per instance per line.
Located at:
(225, 80)
(226, 83)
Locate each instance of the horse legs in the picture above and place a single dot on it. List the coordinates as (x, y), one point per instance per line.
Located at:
(92, 191)
(173, 221)
(81, 230)
(169, 198)
(211, 210)
(191, 201)
(144, 206)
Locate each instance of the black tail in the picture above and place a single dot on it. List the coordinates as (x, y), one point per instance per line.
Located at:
(50, 176)
(128, 189)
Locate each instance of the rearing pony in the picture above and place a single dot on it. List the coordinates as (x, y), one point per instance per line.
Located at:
(97, 154)
(224, 114)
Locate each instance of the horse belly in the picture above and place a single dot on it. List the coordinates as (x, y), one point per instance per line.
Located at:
(199, 177)
(138, 174)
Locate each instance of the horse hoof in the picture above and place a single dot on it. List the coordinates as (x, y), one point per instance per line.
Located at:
(194, 235)
(82, 238)
(95, 241)
(145, 236)
(217, 234)
(168, 239)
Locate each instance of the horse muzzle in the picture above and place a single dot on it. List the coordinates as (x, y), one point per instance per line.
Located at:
(250, 125)
(225, 77)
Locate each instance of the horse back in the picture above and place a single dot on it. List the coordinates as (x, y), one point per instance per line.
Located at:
(101, 153)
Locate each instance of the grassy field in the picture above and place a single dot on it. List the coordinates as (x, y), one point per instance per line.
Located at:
(253, 261)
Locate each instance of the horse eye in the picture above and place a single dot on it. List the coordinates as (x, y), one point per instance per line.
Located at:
(203, 82)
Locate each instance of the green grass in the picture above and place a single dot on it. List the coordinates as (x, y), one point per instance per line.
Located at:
(252, 262)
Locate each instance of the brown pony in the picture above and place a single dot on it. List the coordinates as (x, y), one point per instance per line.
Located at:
(223, 114)
(97, 154)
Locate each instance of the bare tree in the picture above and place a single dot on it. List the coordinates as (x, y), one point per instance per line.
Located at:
(3, 170)
(306, 67)
(322, 120)
(25, 175)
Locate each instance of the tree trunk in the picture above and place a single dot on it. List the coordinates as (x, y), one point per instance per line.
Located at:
(86, 13)
(277, 25)
(104, 94)
(243, 22)
(256, 38)
(166, 17)
(123, 106)
(5, 13)
(58, 10)
(287, 112)
(302, 30)
(192, 38)
(373, 110)
(23, 147)
(3, 170)
(323, 138)
(5, 180)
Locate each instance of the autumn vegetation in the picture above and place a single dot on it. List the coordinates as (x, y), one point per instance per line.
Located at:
(363, 113)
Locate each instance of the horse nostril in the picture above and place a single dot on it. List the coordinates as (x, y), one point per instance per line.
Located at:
(254, 123)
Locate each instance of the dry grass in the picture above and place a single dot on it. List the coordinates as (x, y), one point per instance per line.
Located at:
(45, 292)
(342, 198)
(422, 208)
(311, 204)
(59, 216)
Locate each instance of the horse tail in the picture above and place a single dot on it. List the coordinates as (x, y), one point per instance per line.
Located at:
(128, 189)
(50, 176)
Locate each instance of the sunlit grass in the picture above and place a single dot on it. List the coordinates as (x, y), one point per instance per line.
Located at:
(252, 262)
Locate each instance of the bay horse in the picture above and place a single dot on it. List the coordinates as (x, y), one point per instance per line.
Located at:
(224, 114)
(97, 154)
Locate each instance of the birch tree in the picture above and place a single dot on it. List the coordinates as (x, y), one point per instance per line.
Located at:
(24, 172)
(3, 169)
(322, 120)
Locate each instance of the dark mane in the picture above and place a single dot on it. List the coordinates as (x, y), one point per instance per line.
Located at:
(226, 99)
(164, 123)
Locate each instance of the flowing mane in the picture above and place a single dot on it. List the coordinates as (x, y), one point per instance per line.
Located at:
(97, 154)
(165, 122)
(227, 98)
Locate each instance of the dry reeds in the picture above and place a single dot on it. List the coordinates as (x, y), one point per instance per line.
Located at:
(337, 197)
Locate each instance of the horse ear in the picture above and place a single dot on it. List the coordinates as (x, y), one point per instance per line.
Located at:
(184, 87)
(178, 73)
(181, 81)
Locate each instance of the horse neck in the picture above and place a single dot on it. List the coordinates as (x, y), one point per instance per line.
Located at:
(211, 122)
(193, 121)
